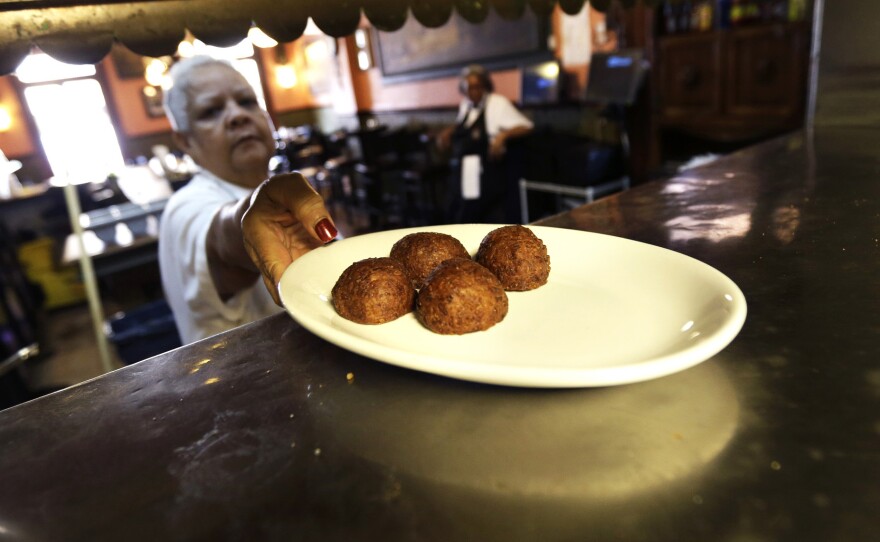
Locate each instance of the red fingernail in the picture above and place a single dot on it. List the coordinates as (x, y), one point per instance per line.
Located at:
(325, 230)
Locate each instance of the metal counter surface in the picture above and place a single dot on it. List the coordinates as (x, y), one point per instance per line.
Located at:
(258, 434)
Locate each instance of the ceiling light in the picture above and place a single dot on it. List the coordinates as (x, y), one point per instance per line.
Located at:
(260, 38)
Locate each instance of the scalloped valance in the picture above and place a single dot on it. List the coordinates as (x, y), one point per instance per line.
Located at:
(82, 32)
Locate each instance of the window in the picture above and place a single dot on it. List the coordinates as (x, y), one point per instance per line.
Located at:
(70, 111)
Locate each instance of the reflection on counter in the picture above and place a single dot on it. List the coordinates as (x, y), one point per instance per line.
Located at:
(592, 445)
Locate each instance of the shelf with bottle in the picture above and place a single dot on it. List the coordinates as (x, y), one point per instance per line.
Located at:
(687, 16)
(690, 16)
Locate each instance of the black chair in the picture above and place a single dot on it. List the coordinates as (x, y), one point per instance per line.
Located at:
(20, 329)
(589, 169)
(395, 179)
(374, 186)
(561, 170)
(428, 174)
(338, 168)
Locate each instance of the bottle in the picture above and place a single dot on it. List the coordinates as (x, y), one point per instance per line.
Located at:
(765, 10)
(705, 17)
(723, 15)
(670, 18)
(737, 13)
(797, 10)
(753, 12)
(684, 16)
(744, 12)
(779, 10)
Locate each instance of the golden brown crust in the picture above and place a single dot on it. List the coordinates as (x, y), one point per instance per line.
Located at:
(373, 291)
(461, 296)
(516, 256)
(421, 252)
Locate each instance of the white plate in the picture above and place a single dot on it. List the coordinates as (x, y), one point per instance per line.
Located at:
(613, 311)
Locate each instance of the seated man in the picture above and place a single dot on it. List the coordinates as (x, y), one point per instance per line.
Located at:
(209, 278)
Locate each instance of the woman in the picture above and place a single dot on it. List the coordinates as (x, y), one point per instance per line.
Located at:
(209, 273)
(486, 122)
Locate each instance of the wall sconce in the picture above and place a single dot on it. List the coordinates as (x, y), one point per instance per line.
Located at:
(364, 51)
(5, 119)
(285, 74)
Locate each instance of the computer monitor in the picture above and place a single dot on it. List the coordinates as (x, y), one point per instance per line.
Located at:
(615, 77)
(540, 83)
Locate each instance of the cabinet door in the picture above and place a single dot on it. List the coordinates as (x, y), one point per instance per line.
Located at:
(766, 72)
(690, 77)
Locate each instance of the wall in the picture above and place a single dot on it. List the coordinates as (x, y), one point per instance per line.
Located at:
(125, 101)
(18, 140)
(330, 94)
(323, 89)
(138, 131)
(134, 122)
(373, 95)
(849, 64)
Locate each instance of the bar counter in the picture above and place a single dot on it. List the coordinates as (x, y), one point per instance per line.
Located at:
(269, 433)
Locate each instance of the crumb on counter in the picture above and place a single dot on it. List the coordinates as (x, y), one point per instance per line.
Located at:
(350, 377)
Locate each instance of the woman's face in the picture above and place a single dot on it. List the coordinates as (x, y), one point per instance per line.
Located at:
(474, 89)
(229, 133)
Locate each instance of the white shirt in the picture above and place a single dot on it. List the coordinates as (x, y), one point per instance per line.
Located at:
(198, 310)
(501, 114)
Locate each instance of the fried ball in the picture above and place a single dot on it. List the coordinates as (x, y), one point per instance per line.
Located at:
(516, 256)
(373, 291)
(461, 296)
(421, 252)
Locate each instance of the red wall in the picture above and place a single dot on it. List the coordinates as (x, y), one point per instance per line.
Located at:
(18, 141)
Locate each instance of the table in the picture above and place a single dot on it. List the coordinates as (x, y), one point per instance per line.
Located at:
(118, 237)
(585, 194)
(22, 211)
(258, 434)
(142, 187)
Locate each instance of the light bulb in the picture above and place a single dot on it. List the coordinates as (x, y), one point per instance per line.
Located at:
(5, 119)
(285, 75)
(155, 71)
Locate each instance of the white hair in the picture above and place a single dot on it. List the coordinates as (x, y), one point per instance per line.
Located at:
(480, 72)
(176, 99)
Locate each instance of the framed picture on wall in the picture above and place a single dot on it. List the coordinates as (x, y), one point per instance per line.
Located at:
(417, 52)
(153, 101)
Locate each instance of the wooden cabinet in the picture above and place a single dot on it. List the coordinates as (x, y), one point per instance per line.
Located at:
(733, 85)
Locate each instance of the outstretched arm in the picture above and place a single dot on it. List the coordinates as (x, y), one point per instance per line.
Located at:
(260, 236)
(444, 138)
